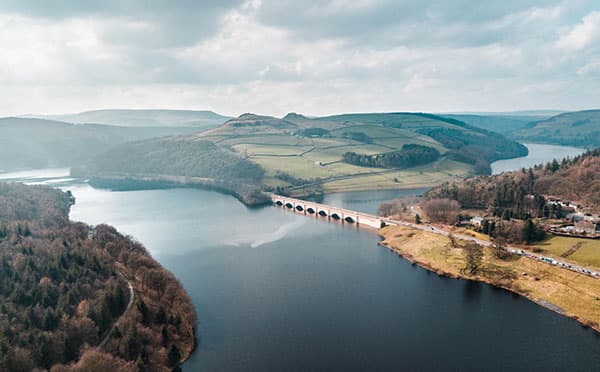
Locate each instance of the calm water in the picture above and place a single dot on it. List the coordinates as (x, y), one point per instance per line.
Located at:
(367, 201)
(538, 154)
(277, 291)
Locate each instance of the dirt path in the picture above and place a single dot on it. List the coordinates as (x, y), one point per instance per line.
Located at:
(129, 304)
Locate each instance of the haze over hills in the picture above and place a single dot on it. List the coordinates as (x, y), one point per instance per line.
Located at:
(36, 143)
(579, 128)
(142, 118)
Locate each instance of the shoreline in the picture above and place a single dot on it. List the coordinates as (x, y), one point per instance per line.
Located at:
(586, 323)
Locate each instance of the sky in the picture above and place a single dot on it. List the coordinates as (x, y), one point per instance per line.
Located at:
(311, 57)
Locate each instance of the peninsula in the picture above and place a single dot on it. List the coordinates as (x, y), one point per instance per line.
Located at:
(76, 297)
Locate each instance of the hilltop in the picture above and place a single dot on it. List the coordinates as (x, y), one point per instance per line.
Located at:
(37, 143)
(200, 119)
(65, 287)
(301, 155)
(503, 124)
(580, 128)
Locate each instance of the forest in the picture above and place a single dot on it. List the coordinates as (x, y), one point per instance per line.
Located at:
(411, 155)
(64, 285)
(212, 166)
(175, 156)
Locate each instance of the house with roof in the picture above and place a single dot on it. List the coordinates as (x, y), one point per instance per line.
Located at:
(586, 227)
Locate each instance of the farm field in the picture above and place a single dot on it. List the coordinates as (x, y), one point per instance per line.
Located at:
(296, 150)
(587, 253)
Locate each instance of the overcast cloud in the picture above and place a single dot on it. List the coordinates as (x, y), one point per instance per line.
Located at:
(319, 57)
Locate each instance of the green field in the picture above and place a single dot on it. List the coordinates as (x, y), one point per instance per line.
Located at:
(296, 150)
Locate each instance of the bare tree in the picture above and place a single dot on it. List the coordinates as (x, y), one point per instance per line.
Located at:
(441, 210)
(474, 256)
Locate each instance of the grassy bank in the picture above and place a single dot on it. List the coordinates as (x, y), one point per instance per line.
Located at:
(566, 292)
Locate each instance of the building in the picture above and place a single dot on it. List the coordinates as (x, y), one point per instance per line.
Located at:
(585, 227)
(476, 221)
(574, 217)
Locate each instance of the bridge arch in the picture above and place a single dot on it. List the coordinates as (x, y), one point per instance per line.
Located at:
(331, 212)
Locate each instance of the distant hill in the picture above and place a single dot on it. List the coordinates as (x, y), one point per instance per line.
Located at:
(536, 113)
(305, 155)
(143, 118)
(35, 143)
(580, 128)
(503, 124)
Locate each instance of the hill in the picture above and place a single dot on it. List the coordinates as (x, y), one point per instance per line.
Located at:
(142, 118)
(503, 124)
(36, 143)
(177, 160)
(580, 128)
(303, 155)
(64, 286)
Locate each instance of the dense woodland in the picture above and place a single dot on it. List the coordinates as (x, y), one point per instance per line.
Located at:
(223, 169)
(63, 285)
(176, 156)
(411, 155)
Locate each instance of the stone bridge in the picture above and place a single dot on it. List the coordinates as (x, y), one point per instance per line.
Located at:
(326, 211)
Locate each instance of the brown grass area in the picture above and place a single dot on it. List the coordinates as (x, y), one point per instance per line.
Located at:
(577, 295)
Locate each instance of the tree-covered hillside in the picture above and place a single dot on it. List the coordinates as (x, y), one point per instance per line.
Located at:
(580, 128)
(165, 159)
(35, 143)
(503, 124)
(64, 286)
(521, 193)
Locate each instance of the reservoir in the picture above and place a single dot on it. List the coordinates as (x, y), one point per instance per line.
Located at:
(538, 154)
(278, 291)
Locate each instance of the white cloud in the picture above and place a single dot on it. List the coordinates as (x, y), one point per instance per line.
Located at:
(592, 68)
(324, 57)
(583, 34)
